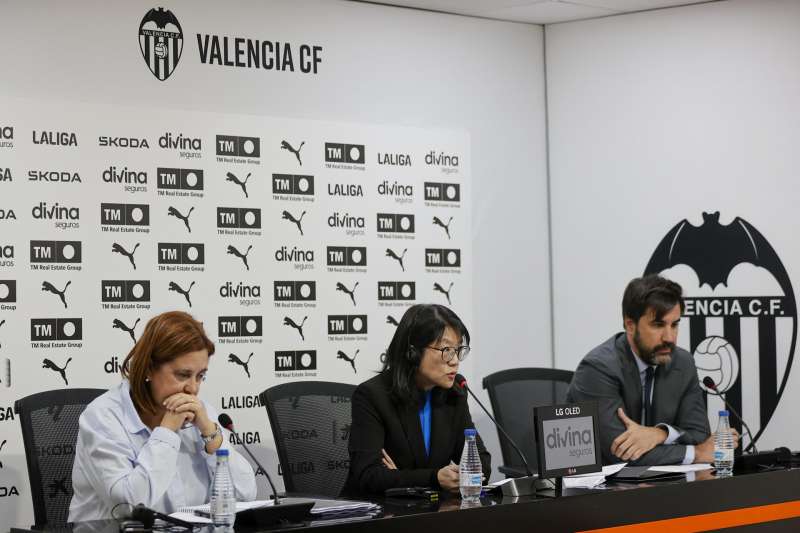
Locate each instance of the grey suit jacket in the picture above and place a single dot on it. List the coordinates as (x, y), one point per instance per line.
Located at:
(609, 375)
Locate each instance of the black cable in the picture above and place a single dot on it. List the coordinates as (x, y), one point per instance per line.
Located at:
(113, 516)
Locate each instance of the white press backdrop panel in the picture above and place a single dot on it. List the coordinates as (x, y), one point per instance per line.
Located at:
(329, 269)
(387, 75)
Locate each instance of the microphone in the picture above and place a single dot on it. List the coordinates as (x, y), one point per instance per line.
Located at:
(521, 486)
(709, 383)
(148, 516)
(226, 422)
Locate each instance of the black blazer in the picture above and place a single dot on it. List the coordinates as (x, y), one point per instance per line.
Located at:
(380, 422)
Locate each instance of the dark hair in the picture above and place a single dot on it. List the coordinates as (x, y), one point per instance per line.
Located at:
(647, 292)
(166, 337)
(421, 325)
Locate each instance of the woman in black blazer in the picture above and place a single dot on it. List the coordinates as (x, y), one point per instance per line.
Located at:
(409, 420)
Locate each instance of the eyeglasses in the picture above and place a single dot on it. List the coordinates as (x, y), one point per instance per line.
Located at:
(448, 352)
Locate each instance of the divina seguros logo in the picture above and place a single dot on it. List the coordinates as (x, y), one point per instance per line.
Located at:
(7, 255)
(6, 136)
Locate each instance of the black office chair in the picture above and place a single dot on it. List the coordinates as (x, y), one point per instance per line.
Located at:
(310, 422)
(513, 394)
(49, 422)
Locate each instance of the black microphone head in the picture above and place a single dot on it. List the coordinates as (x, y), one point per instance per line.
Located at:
(142, 514)
(225, 421)
(461, 382)
(708, 382)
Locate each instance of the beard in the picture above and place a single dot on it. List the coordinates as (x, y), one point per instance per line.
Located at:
(650, 354)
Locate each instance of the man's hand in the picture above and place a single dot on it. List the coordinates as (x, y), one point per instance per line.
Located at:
(637, 440)
(704, 452)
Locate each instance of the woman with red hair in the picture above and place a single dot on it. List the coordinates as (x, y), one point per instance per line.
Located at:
(150, 439)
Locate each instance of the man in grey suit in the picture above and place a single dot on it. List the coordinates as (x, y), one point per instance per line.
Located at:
(651, 406)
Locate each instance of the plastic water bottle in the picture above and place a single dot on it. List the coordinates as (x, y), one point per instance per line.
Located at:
(469, 470)
(223, 502)
(723, 446)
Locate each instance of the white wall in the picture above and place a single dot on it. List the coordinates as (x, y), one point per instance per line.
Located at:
(381, 66)
(655, 117)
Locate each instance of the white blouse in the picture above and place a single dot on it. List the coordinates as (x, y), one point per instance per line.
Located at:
(119, 460)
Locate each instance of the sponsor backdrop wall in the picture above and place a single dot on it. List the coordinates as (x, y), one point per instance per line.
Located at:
(672, 150)
(295, 174)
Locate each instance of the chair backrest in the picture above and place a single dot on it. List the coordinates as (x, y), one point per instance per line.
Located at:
(49, 422)
(513, 394)
(310, 422)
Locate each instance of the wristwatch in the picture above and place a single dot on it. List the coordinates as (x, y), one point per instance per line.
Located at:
(210, 438)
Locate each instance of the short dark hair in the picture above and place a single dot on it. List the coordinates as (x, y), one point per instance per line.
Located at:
(650, 291)
(421, 325)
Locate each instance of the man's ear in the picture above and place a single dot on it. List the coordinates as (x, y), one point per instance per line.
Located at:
(629, 324)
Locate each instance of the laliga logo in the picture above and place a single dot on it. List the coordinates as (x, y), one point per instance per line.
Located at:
(161, 42)
(740, 311)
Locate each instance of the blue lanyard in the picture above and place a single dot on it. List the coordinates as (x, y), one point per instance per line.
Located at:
(425, 421)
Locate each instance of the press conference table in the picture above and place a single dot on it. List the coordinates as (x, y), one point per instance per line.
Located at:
(764, 502)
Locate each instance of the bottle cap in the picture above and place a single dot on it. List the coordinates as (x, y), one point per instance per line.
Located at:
(222, 453)
(470, 432)
(724, 413)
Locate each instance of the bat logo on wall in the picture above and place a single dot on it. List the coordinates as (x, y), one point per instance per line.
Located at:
(713, 250)
(739, 308)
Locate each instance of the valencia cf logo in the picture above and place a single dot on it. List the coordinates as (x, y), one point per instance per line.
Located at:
(740, 314)
(161, 42)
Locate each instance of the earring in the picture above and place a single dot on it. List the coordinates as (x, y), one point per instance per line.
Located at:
(147, 380)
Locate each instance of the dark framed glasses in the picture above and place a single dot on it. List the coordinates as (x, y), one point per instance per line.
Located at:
(448, 352)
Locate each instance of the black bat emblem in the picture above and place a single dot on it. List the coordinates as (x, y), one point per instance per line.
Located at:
(712, 250)
(161, 17)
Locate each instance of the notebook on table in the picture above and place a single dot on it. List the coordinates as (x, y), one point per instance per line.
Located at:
(642, 474)
(320, 509)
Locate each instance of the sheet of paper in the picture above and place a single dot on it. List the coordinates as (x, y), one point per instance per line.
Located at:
(592, 479)
(191, 517)
(240, 506)
(681, 468)
(583, 482)
(608, 470)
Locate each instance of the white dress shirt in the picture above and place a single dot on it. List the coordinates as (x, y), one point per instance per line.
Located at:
(119, 460)
(672, 433)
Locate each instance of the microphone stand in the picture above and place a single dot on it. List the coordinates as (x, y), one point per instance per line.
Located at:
(253, 457)
(756, 461)
(296, 510)
(752, 443)
(518, 486)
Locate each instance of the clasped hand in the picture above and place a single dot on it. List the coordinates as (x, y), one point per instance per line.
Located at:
(637, 439)
(181, 408)
(448, 476)
(704, 452)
